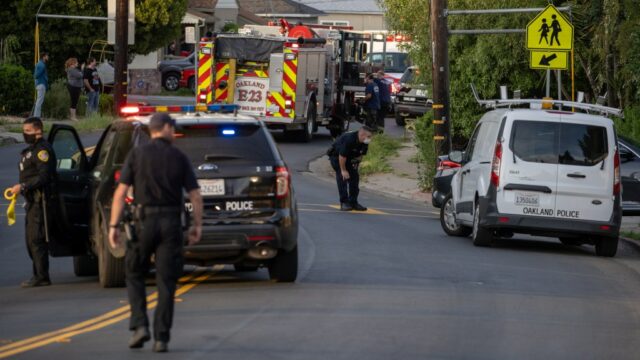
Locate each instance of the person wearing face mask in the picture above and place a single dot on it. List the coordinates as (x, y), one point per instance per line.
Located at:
(159, 173)
(37, 177)
(345, 155)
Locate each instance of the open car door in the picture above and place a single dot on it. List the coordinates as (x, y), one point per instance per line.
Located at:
(67, 207)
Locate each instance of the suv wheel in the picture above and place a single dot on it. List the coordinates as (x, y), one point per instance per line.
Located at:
(400, 120)
(480, 235)
(85, 265)
(284, 267)
(606, 247)
(111, 269)
(171, 81)
(448, 219)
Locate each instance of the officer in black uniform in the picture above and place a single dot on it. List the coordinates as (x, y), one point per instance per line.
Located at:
(159, 173)
(37, 178)
(345, 156)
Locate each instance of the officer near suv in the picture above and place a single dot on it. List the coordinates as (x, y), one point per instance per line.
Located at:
(159, 173)
(345, 155)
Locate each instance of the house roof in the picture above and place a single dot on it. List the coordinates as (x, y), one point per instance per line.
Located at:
(262, 6)
(345, 6)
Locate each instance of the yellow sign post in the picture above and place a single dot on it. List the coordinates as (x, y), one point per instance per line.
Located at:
(550, 30)
(549, 60)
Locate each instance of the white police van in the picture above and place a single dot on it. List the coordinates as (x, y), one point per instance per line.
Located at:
(541, 172)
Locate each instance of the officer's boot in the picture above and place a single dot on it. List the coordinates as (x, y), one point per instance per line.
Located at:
(139, 337)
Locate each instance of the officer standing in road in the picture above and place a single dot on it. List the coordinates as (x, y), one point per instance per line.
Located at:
(159, 173)
(385, 98)
(345, 155)
(371, 101)
(37, 178)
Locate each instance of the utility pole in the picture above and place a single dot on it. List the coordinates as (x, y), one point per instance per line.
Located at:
(121, 54)
(440, 74)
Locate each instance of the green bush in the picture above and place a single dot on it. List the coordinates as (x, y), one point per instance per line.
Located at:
(105, 107)
(381, 148)
(630, 125)
(426, 152)
(57, 101)
(16, 90)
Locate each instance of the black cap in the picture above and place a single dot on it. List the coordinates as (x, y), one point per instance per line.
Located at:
(158, 120)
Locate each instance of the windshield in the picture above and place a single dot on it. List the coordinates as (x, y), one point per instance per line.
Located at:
(410, 76)
(393, 62)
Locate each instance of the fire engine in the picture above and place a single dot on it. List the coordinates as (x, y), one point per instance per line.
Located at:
(294, 78)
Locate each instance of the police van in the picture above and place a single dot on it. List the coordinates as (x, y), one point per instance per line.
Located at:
(544, 172)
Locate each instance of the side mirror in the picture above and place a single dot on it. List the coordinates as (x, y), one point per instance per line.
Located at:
(456, 156)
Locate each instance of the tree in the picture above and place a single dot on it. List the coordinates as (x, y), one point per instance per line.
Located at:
(157, 22)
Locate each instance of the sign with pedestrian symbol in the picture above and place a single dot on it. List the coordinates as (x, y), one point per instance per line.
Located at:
(549, 60)
(550, 30)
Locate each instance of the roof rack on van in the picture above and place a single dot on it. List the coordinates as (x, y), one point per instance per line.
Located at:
(496, 103)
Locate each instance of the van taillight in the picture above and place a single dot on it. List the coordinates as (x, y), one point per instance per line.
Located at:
(282, 182)
(116, 176)
(495, 165)
(616, 173)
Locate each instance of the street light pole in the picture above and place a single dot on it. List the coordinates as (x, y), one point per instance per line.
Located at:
(121, 54)
(440, 74)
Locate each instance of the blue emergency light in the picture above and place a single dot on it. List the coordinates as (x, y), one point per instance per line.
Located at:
(228, 132)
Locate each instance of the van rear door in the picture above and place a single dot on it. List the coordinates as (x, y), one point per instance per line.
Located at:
(529, 169)
(585, 170)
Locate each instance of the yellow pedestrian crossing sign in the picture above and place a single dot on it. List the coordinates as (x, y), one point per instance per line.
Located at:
(550, 30)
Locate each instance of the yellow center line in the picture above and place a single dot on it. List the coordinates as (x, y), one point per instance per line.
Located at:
(96, 323)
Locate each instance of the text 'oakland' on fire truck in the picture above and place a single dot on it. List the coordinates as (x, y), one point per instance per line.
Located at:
(294, 78)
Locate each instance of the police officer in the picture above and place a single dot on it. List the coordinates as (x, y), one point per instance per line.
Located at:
(158, 173)
(345, 156)
(385, 98)
(371, 101)
(37, 178)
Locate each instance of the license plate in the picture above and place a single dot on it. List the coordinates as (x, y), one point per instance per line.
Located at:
(211, 187)
(420, 92)
(409, 98)
(527, 199)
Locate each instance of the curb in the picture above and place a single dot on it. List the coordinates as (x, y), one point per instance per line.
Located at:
(633, 243)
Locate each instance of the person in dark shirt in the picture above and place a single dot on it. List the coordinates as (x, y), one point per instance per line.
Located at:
(93, 85)
(37, 176)
(385, 98)
(159, 173)
(345, 156)
(371, 102)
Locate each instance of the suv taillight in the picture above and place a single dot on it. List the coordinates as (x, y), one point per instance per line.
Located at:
(495, 165)
(616, 173)
(282, 182)
(447, 164)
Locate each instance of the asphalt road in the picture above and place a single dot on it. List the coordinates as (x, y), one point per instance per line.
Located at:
(388, 285)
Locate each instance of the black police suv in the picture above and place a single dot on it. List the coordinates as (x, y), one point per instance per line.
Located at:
(412, 100)
(445, 169)
(630, 175)
(250, 214)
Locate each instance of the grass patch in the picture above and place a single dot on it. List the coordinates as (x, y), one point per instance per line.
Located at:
(179, 92)
(92, 123)
(631, 235)
(381, 148)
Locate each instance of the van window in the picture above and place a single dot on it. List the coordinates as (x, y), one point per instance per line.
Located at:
(535, 141)
(582, 145)
(472, 143)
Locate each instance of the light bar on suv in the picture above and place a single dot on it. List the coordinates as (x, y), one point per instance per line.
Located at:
(134, 110)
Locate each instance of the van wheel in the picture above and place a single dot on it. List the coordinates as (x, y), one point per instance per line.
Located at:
(284, 267)
(111, 269)
(85, 265)
(448, 219)
(480, 235)
(606, 247)
(400, 120)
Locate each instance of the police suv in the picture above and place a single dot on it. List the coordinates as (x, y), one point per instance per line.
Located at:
(540, 172)
(250, 215)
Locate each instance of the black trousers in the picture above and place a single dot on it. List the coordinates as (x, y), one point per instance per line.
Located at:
(159, 234)
(381, 114)
(36, 239)
(74, 94)
(371, 117)
(348, 189)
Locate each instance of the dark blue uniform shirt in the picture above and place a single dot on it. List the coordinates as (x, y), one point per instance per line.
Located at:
(374, 102)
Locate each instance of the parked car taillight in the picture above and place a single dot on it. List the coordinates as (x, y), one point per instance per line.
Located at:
(282, 182)
(447, 164)
(495, 165)
(616, 173)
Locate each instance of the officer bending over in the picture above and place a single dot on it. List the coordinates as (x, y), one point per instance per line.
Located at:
(37, 179)
(158, 173)
(345, 156)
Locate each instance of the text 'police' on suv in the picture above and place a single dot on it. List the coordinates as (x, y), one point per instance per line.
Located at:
(250, 215)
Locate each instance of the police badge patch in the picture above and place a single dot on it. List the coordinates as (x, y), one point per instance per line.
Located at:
(43, 155)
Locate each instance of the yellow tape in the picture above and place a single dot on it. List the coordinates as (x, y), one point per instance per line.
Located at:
(11, 210)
